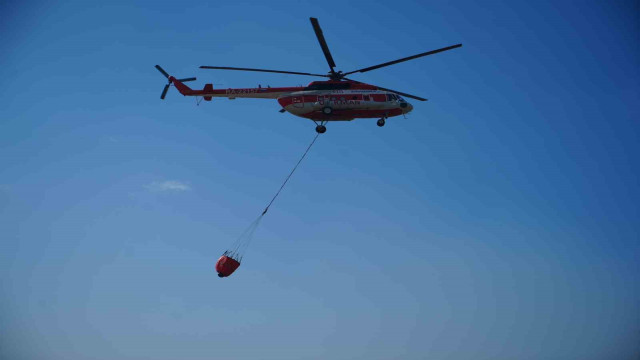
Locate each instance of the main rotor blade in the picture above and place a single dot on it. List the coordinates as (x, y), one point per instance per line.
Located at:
(260, 70)
(164, 92)
(188, 79)
(162, 71)
(393, 91)
(404, 59)
(323, 43)
(403, 94)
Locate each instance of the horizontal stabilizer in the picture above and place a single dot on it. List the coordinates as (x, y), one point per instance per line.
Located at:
(208, 89)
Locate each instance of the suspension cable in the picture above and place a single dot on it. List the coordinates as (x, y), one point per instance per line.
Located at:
(237, 249)
(291, 173)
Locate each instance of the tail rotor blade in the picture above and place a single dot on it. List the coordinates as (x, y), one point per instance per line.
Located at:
(162, 71)
(171, 79)
(164, 91)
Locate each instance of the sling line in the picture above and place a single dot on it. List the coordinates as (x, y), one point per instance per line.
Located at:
(291, 173)
(241, 244)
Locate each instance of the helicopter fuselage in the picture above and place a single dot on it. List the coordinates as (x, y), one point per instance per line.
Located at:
(320, 100)
(344, 104)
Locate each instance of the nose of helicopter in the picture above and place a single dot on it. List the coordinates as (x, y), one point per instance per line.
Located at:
(406, 107)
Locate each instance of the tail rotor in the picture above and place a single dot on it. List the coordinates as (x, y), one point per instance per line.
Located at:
(170, 79)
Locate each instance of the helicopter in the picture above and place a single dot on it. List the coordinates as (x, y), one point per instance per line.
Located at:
(336, 99)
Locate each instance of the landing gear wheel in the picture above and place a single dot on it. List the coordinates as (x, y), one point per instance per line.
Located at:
(320, 129)
(381, 122)
(327, 110)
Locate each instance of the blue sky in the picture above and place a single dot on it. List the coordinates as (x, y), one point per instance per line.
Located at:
(498, 221)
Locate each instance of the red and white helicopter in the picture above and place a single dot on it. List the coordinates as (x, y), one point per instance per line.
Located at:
(339, 98)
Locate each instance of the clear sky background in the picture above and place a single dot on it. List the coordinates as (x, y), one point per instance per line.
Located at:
(500, 220)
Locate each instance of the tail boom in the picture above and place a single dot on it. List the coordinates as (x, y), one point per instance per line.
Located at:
(256, 93)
